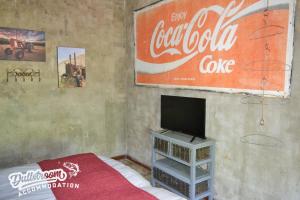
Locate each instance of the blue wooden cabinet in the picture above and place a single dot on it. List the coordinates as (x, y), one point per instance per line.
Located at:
(182, 167)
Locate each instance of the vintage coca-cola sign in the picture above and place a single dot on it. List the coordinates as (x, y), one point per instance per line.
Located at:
(220, 45)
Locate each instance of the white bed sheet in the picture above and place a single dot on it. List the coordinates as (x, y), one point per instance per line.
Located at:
(139, 181)
(9, 193)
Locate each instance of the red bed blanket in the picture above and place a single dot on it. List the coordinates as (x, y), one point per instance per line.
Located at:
(89, 178)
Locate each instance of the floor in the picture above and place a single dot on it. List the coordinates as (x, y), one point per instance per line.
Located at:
(140, 169)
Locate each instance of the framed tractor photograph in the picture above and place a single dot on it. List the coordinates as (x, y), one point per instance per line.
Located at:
(71, 67)
(22, 45)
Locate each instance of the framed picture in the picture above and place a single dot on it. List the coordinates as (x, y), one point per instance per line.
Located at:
(71, 67)
(22, 45)
(222, 46)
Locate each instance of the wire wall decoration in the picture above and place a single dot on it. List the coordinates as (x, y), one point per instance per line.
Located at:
(267, 30)
(264, 67)
(258, 100)
(261, 139)
(23, 74)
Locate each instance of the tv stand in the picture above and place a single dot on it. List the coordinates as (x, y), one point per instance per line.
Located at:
(193, 139)
(163, 131)
(182, 167)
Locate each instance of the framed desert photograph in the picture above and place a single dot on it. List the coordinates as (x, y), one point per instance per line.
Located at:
(71, 67)
(22, 45)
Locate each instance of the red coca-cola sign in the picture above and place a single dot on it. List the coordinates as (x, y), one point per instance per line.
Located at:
(220, 45)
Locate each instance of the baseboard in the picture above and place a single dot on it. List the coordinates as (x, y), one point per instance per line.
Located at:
(120, 157)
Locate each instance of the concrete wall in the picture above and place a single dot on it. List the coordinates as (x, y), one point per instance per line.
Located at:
(39, 120)
(243, 171)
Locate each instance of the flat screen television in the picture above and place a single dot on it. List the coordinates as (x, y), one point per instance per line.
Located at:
(184, 114)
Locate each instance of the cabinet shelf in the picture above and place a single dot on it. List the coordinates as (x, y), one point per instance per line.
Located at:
(182, 171)
(176, 159)
(202, 195)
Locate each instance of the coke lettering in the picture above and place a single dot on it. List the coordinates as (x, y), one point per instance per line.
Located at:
(208, 65)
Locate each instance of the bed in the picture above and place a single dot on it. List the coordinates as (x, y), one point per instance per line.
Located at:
(8, 180)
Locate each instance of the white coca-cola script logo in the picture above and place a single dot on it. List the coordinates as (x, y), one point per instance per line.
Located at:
(220, 38)
(190, 38)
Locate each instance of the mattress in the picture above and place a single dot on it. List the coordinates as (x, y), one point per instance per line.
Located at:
(7, 192)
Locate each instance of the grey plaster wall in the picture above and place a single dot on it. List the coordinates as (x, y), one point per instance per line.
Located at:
(39, 120)
(270, 171)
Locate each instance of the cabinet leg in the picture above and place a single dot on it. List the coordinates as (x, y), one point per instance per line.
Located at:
(153, 183)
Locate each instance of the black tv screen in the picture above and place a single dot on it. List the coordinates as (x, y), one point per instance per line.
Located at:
(183, 114)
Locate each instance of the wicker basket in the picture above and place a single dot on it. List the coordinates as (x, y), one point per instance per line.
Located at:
(171, 181)
(203, 153)
(201, 187)
(179, 185)
(180, 152)
(161, 145)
